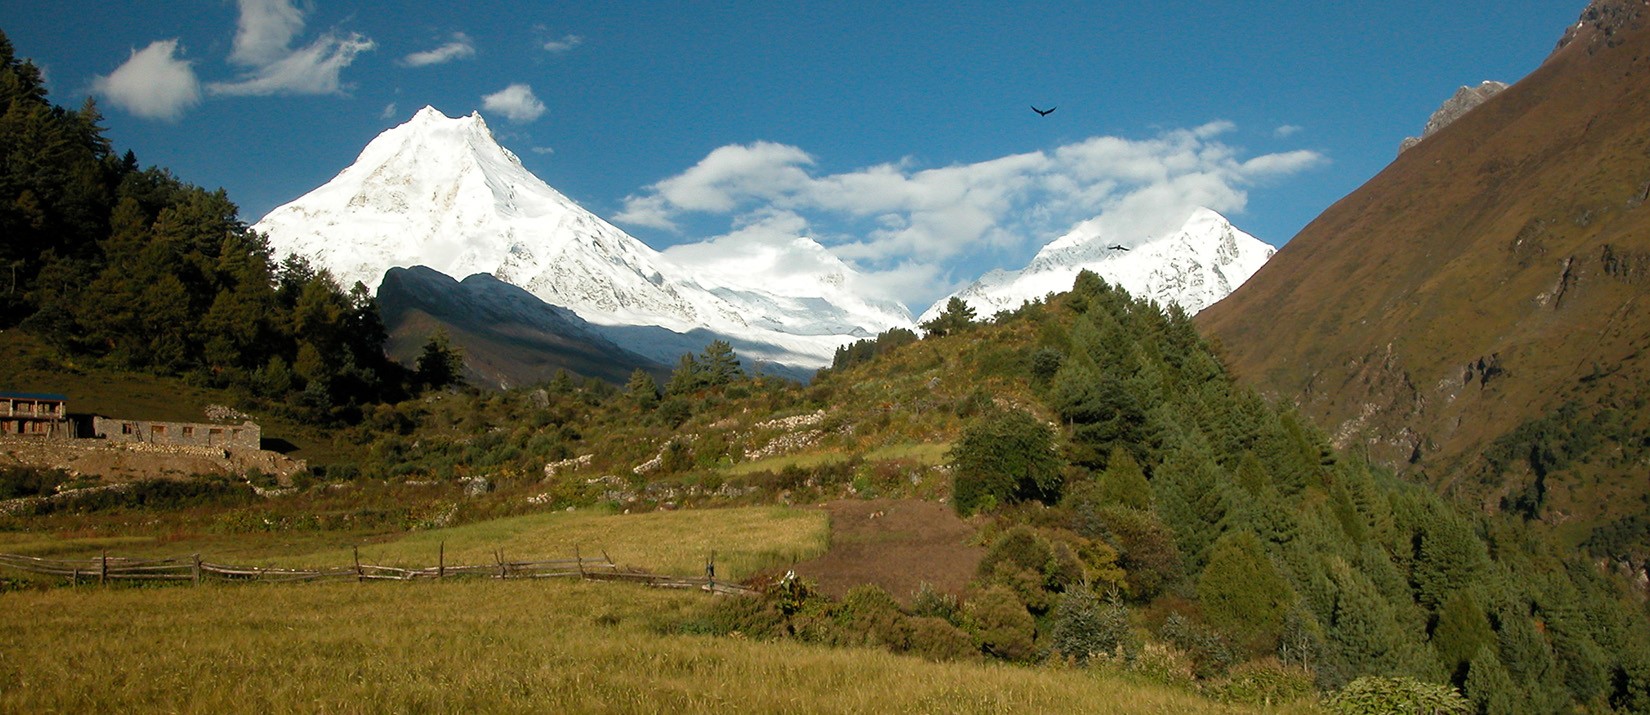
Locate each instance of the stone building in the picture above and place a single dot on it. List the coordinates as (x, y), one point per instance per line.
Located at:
(245, 435)
(35, 414)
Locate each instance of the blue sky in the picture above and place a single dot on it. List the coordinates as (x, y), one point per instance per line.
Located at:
(898, 134)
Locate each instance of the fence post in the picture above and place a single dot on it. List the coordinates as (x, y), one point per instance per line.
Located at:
(197, 570)
(103, 572)
(441, 563)
(358, 577)
(580, 559)
(710, 571)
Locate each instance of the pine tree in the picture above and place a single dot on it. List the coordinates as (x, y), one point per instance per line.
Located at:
(1242, 593)
(687, 378)
(440, 363)
(1124, 483)
(642, 390)
(719, 365)
(956, 317)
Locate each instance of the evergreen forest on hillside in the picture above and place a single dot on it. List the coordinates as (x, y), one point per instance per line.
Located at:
(137, 269)
(1140, 509)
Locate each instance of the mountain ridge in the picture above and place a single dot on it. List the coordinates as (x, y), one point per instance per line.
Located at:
(1471, 315)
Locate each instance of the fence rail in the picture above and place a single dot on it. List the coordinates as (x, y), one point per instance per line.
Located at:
(104, 569)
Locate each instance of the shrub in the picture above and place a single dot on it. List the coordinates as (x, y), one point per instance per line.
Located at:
(1084, 628)
(1372, 695)
(929, 602)
(1003, 458)
(1211, 655)
(1000, 624)
(935, 638)
(1265, 682)
(18, 482)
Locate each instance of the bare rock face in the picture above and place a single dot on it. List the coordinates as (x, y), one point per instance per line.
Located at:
(1464, 100)
(1603, 23)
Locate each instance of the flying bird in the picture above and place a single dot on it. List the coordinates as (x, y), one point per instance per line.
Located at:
(1043, 112)
(1118, 247)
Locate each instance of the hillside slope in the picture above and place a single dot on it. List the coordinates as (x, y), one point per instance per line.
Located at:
(1475, 312)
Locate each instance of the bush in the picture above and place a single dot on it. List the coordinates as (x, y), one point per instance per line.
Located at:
(931, 603)
(1084, 628)
(1003, 458)
(1371, 695)
(1265, 682)
(1211, 655)
(935, 638)
(1000, 624)
(16, 482)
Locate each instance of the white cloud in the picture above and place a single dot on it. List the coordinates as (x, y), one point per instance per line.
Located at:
(389, 111)
(899, 222)
(312, 70)
(543, 150)
(263, 42)
(154, 83)
(516, 102)
(459, 48)
(565, 43)
(1287, 130)
(265, 30)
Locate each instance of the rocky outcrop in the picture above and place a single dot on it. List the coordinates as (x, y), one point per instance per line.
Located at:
(1463, 101)
(1603, 23)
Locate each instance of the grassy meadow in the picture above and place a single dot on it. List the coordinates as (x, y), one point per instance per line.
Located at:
(478, 646)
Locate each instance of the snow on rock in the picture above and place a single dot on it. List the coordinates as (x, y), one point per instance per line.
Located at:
(1193, 267)
(441, 192)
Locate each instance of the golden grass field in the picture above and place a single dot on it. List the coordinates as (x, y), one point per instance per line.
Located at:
(476, 646)
(482, 645)
(746, 540)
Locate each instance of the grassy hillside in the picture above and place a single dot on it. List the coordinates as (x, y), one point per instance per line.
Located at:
(1475, 315)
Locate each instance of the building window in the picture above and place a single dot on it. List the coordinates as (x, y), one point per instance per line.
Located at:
(188, 431)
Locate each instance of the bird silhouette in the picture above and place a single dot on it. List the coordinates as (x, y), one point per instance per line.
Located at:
(1043, 112)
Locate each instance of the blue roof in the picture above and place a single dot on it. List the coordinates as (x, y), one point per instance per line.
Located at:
(52, 396)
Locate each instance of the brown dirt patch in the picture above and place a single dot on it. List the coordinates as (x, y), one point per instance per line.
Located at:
(897, 544)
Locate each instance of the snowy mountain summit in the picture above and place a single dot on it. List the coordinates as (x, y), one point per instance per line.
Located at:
(1203, 261)
(440, 192)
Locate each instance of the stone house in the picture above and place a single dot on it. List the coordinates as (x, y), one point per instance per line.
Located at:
(35, 414)
(245, 435)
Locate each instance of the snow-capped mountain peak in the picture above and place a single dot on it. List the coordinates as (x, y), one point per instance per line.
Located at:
(441, 192)
(1194, 266)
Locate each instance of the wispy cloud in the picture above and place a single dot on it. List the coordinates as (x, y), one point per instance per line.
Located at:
(905, 222)
(543, 150)
(265, 30)
(1287, 130)
(389, 111)
(263, 42)
(516, 102)
(459, 48)
(153, 83)
(563, 43)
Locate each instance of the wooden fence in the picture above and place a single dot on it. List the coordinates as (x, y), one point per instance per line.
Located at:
(105, 569)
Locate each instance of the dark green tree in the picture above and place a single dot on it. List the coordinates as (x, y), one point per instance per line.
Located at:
(1004, 457)
(956, 317)
(1124, 483)
(1241, 592)
(642, 390)
(719, 365)
(440, 363)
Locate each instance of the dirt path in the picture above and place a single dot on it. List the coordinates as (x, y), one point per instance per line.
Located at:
(897, 544)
